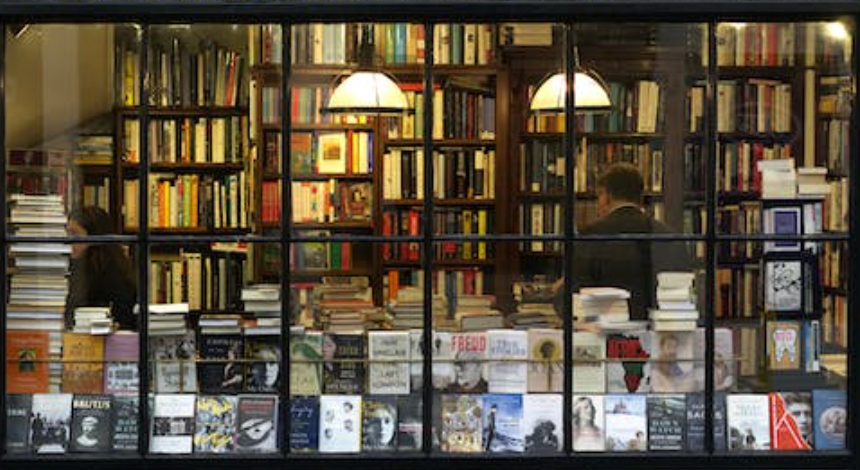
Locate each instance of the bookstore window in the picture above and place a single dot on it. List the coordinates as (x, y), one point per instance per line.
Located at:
(223, 204)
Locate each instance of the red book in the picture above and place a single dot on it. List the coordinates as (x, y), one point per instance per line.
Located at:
(791, 420)
(387, 226)
(414, 229)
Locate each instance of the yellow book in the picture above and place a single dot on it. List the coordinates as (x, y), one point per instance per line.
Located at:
(482, 230)
(467, 230)
(195, 183)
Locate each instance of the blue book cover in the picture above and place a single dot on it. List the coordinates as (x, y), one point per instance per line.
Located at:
(831, 418)
(502, 416)
(400, 43)
(304, 424)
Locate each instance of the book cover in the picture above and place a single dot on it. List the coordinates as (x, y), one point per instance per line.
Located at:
(83, 370)
(172, 424)
(91, 423)
(543, 430)
(502, 423)
(304, 424)
(748, 422)
(174, 368)
(461, 426)
(379, 424)
(24, 375)
(331, 153)
(831, 418)
(510, 375)
(720, 423)
(306, 363)
(257, 423)
(409, 423)
(121, 363)
(667, 422)
(416, 357)
(340, 423)
(631, 375)
(389, 362)
(50, 426)
(626, 423)
(782, 221)
(443, 360)
(18, 407)
(264, 369)
(125, 422)
(791, 421)
(468, 351)
(344, 366)
(589, 423)
(783, 345)
(545, 360)
(220, 372)
(724, 358)
(783, 285)
(673, 362)
(215, 428)
(589, 368)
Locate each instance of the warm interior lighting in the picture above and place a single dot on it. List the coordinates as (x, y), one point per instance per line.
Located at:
(836, 30)
(590, 94)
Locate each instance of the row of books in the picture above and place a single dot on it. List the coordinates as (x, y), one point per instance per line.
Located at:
(636, 107)
(592, 157)
(410, 124)
(393, 43)
(206, 280)
(464, 110)
(459, 174)
(835, 138)
(328, 201)
(189, 201)
(307, 103)
(756, 44)
(754, 106)
(97, 194)
(464, 43)
(189, 140)
(541, 218)
(321, 255)
(738, 163)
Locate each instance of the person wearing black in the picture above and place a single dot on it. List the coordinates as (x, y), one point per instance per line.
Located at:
(630, 264)
(101, 274)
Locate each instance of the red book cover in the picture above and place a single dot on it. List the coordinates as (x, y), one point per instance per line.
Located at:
(23, 376)
(790, 421)
(414, 229)
(386, 231)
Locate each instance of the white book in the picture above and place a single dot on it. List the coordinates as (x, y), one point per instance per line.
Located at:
(542, 425)
(546, 357)
(509, 375)
(589, 427)
(172, 424)
(340, 423)
(748, 421)
(589, 368)
(626, 423)
(388, 352)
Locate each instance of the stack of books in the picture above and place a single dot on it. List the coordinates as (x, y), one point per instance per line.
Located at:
(535, 305)
(342, 303)
(476, 313)
(220, 324)
(676, 300)
(92, 320)
(167, 319)
(812, 182)
(262, 303)
(606, 307)
(408, 308)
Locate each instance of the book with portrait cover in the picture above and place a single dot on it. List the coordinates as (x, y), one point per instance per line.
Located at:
(831, 418)
(125, 422)
(221, 371)
(83, 370)
(461, 426)
(340, 423)
(589, 423)
(502, 423)
(344, 363)
(18, 408)
(306, 354)
(626, 423)
(388, 352)
(121, 361)
(510, 374)
(50, 427)
(304, 424)
(23, 376)
(257, 423)
(91, 423)
(379, 424)
(791, 420)
(409, 423)
(667, 422)
(174, 368)
(215, 428)
(748, 422)
(468, 351)
(632, 375)
(543, 431)
(263, 373)
(589, 368)
(172, 424)
(674, 360)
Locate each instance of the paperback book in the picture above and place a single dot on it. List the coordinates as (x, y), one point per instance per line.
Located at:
(91, 423)
(667, 422)
(831, 418)
(51, 424)
(215, 428)
(304, 424)
(542, 425)
(589, 423)
(340, 423)
(626, 423)
(502, 423)
(461, 426)
(379, 424)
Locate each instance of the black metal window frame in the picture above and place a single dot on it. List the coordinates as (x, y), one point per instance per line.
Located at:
(150, 13)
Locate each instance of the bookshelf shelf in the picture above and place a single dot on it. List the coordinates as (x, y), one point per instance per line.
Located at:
(439, 202)
(310, 127)
(314, 273)
(333, 225)
(324, 177)
(444, 263)
(188, 231)
(187, 167)
(183, 111)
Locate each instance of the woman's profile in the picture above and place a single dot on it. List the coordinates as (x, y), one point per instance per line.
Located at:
(101, 274)
(587, 435)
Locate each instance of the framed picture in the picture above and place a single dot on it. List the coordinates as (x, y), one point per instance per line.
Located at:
(784, 285)
(782, 221)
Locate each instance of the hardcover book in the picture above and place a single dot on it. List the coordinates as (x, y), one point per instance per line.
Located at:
(125, 422)
(468, 351)
(502, 423)
(83, 371)
(172, 424)
(50, 428)
(831, 418)
(589, 368)
(263, 373)
(304, 424)
(748, 421)
(510, 375)
(545, 356)
(409, 423)
(461, 426)
(344, 366)
(306, 366)
(791, 421)
(783, 345)
(379, 424)
(667, 422)
(783, 285)
(416, 357)
(340, 423)
(24, 375)
(543, 430)
(18, 408)
(673, 363)
(589, 423)
(174, 368)
(626, 423)
(257, 423)
(215, 428)
(220, 372)
(91, 423)
(389, 362)
(121, 363)
(630, 375)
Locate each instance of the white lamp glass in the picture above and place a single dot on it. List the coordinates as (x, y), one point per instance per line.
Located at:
(367, 92)
(589, 94)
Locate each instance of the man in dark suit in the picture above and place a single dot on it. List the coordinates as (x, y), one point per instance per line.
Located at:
(629, 264)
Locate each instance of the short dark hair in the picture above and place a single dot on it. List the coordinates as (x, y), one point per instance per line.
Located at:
(622, 182)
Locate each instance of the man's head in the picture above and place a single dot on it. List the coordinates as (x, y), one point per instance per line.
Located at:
(800, 407)
(620, 183)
